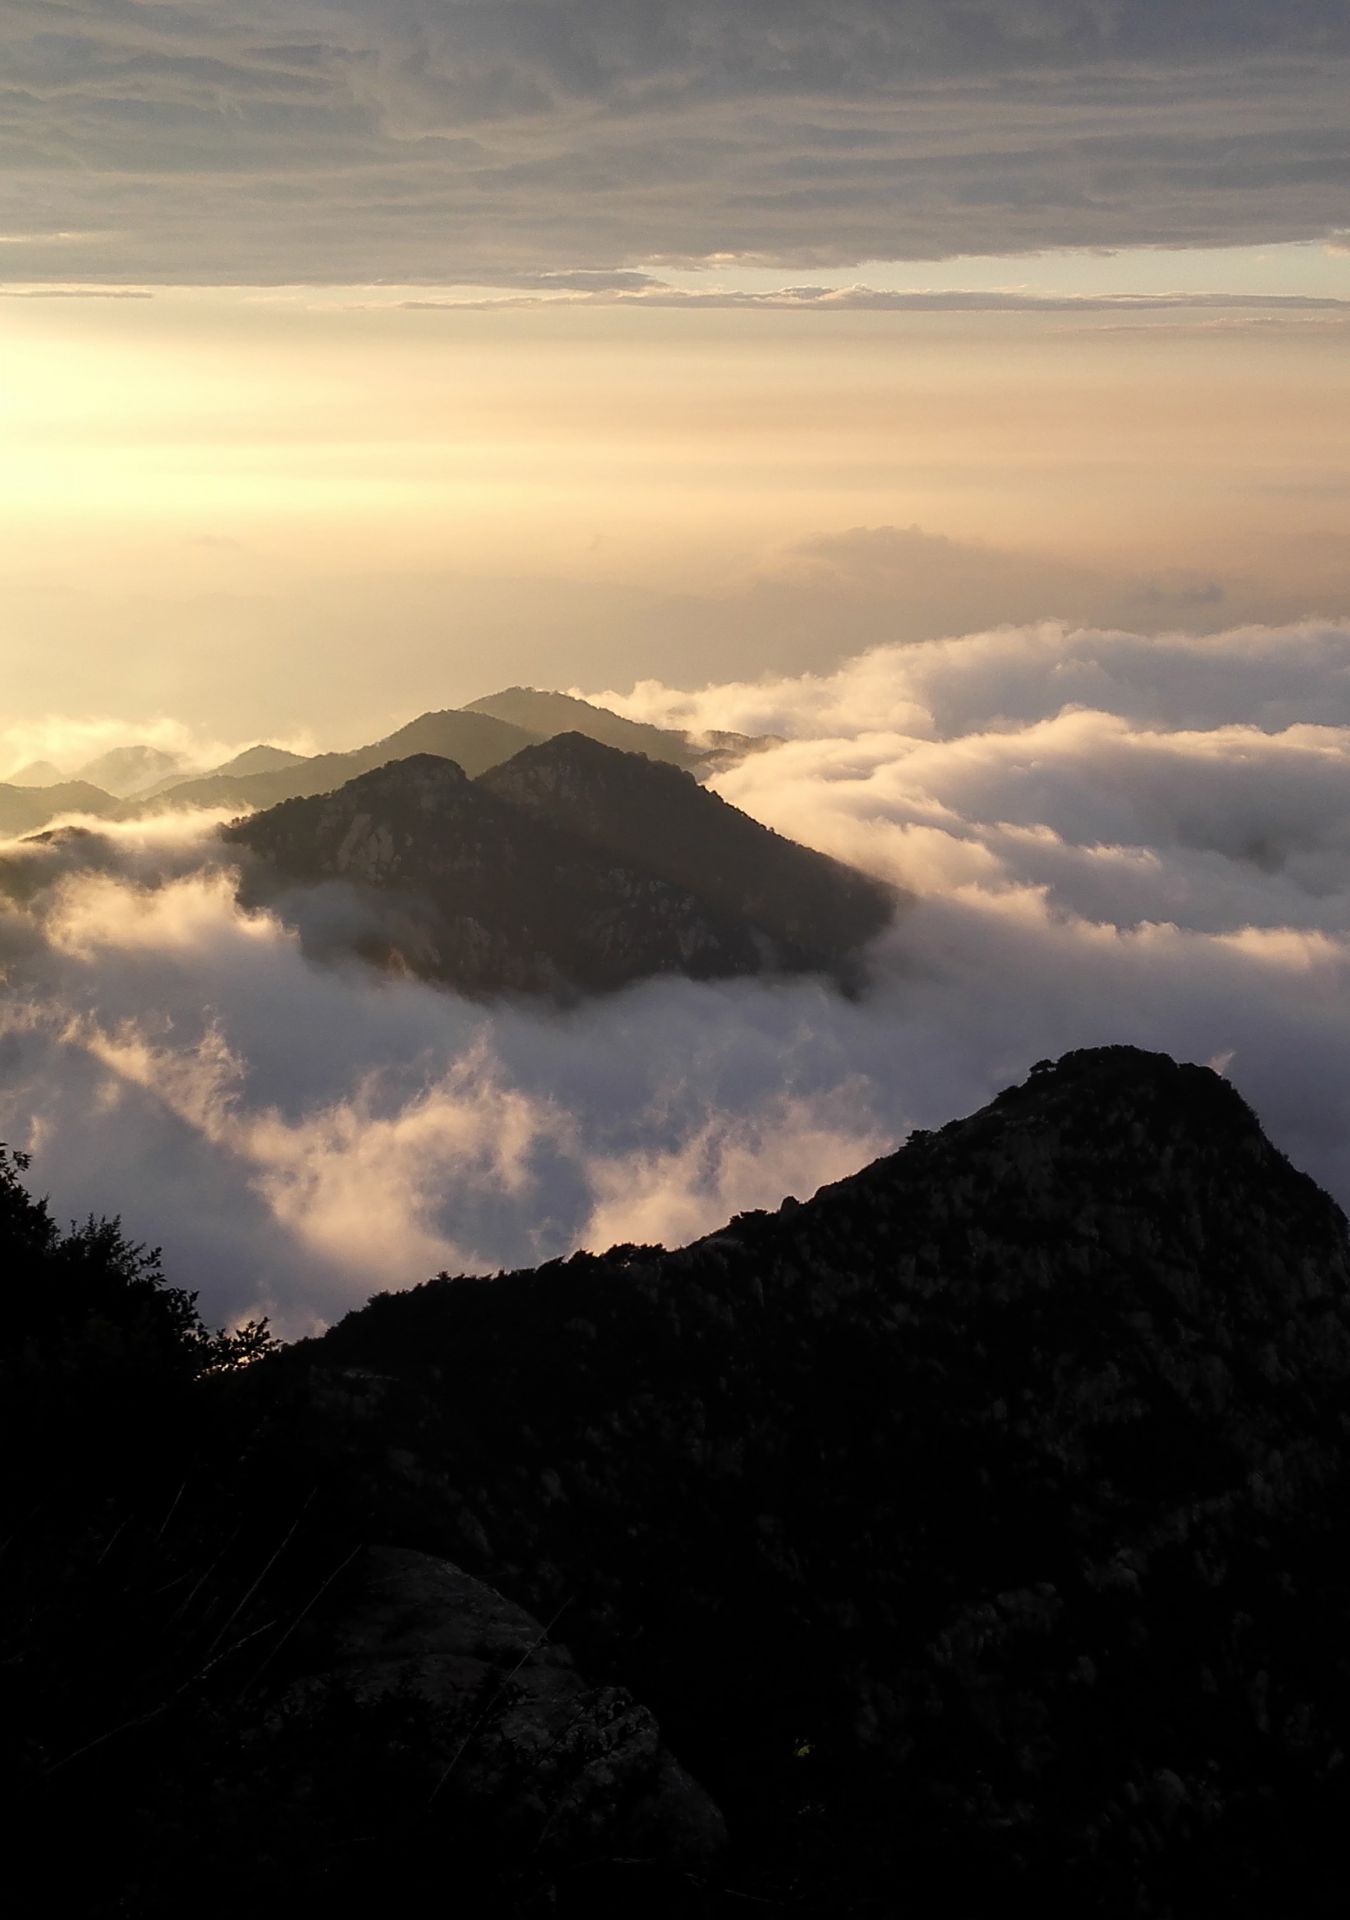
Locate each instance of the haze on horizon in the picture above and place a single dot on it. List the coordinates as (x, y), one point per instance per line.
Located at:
(354, 347)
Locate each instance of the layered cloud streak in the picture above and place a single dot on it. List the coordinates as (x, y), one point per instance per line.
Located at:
(454, 140)
(1109, 839)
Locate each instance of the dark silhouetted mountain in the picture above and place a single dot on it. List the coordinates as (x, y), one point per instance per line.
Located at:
(37, 773)
(976, 1525)
(476, 738)
(126, 771)
(480, 885)
(28, 809)
(474, 741)
(811, 910)
(549, 714)
(975, 1531)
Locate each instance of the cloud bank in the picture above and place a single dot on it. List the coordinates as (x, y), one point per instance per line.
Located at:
(1111, 838)
(452, 140)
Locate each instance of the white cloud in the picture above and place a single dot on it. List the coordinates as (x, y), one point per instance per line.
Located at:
(1086, 873)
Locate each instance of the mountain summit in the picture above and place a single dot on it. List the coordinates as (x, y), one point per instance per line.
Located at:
(571, 868)
(474, 741)
(549, 714)
(126, 771)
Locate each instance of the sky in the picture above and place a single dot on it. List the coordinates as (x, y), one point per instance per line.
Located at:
(360, 357)
(958, 389)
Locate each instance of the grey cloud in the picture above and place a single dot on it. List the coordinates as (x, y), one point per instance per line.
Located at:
(73, 293)
(616, 290)
(414, 140)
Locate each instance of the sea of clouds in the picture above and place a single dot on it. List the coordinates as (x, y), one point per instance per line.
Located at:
(1104, 838)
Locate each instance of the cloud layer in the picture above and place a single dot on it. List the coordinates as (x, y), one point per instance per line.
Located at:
(460, 140)
(1111, 839)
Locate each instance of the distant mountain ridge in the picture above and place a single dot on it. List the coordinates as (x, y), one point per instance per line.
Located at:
(37, 773)
(549, 714)
(474, 741)
(129, 782)
(572, 867)
(127, 771)
(261, 759)
(29, 809)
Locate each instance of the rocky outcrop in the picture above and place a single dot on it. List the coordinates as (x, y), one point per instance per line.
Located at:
(544, 1765)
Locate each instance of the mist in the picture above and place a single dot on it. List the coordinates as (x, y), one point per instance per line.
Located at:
(1108, 838)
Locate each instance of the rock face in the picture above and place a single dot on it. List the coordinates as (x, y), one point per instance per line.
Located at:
(514, 1739)
(579, 869)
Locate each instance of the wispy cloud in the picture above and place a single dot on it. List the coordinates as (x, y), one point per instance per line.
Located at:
(862, 299)
(74, 293)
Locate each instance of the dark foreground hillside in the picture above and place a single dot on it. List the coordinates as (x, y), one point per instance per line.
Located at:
(975, 1533)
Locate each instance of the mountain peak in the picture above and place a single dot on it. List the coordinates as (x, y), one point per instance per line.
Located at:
(424, 774)
(549, 714)
(574, 867)
(811, 911)
(126, 771)
(1108, 1092)
(35, 773)
(1104, 1107)
(595, 760)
